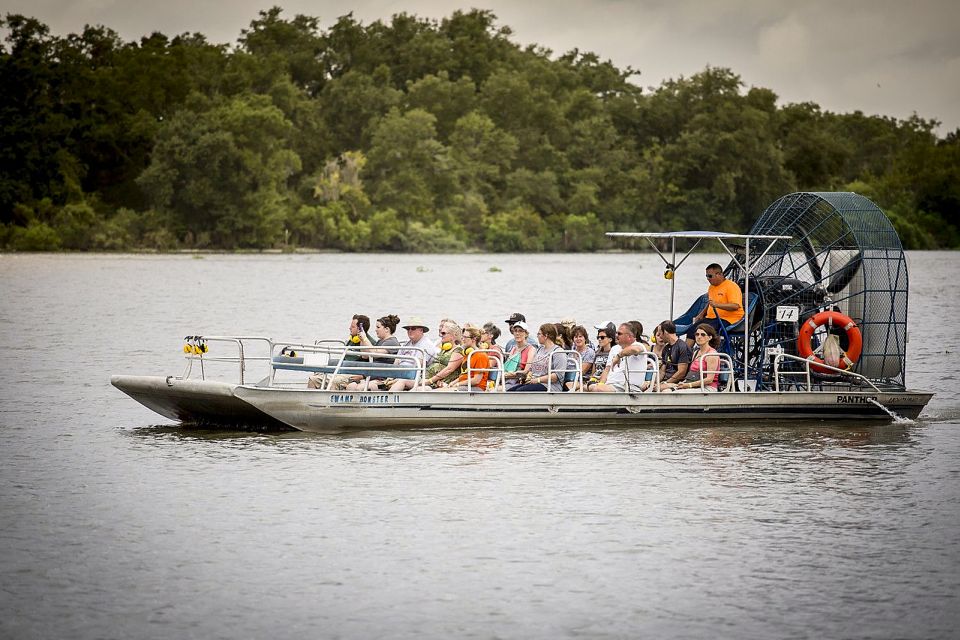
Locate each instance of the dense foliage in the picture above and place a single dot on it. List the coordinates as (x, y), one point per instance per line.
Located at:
(414, 135)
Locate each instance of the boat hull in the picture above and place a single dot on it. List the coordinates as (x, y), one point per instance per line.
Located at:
(201, 402)
(322, 411)
(224, 404)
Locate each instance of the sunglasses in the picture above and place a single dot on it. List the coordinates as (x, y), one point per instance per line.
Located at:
(443, 333)
(710, 275)
(701, 333)
(603, 337)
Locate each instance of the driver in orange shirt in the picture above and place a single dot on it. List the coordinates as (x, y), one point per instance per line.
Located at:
(725, 304)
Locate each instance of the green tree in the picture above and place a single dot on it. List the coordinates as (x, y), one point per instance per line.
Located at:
(409, 169)
(224, 172)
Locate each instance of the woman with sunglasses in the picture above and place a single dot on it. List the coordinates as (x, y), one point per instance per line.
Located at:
(707, 340)
(605, 338)
(488, 340)
(449, 357)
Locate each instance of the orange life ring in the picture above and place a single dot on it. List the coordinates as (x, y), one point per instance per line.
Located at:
(854, 339)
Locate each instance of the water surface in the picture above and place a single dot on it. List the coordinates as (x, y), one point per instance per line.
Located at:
(116, 524)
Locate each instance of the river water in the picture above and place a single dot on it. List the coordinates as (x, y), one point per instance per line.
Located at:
(116, 524)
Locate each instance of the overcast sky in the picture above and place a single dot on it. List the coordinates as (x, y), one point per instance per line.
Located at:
(890, 57)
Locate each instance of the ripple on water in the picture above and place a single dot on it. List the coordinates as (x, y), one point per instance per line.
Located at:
(115, 522)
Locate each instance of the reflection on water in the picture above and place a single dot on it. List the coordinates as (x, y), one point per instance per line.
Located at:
(112, 528)
(824, 434)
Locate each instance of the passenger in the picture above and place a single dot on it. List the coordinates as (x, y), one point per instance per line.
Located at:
(520, 357)
(618, 370)
(606, 334)
(446, 363)
(724, 304)
(564, 338)
(385, 328)
(676, 358)
(581, 344)
(416, 347)
(359, 325)
(488, 340)
(565, 342)
(546, 369)
(511, 321)
(442, 322)
(657, 341)
(479, 365)
(707, 342)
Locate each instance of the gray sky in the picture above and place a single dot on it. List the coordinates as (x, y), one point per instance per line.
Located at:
(879, 56)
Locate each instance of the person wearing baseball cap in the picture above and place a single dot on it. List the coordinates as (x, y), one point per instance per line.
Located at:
(608, 326)
(511, 321)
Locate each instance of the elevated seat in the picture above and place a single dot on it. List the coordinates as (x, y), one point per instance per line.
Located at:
(685, 321)
(732, 337)
(736, 327)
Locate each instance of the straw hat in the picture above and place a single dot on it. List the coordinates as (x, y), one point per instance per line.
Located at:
(416, 322)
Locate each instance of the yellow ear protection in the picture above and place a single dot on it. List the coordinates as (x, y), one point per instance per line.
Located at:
(468, 351)
(446, 346)
(668, 273)
(195, 345)
(355, 339)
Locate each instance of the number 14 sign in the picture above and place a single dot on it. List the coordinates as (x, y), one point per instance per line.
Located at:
(788, 314)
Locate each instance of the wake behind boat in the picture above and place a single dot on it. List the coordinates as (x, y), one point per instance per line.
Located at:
(818, 271)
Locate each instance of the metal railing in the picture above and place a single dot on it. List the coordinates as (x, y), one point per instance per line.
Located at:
(719, 371)
(562, 373)
(651, 368)
(497, 366)
(807, 363)
(241, 358)
(365, 356)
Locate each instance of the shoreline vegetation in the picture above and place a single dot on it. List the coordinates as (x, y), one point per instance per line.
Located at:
(415, 135)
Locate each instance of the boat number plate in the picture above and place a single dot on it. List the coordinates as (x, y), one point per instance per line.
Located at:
(788, 314)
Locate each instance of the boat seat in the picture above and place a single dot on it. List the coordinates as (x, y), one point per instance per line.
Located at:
(738, 326)
(357, 368)
(685, 321)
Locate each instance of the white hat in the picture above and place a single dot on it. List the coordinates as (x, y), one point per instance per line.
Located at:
(522, 325)
(568, 322)
(416, 322)
(606, 325)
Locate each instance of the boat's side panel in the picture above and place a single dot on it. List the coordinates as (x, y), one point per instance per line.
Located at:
(194, 401)
(332, 411)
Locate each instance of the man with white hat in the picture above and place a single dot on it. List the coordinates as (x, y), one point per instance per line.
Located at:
(417, 345)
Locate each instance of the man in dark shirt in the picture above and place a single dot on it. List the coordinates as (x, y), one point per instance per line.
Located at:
(676, 356)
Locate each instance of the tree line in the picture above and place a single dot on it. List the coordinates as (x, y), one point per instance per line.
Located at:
(415, 135)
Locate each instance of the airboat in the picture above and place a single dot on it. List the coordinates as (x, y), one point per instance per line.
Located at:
(817, 270)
